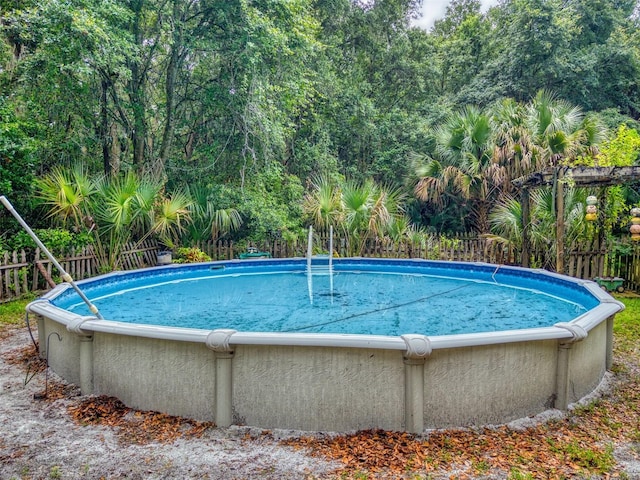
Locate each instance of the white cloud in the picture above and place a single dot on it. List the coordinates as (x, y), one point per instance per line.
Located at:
(433, 10)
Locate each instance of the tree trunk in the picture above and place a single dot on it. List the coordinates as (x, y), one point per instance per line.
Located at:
(170, 85)
(136, 93)
(104, 128)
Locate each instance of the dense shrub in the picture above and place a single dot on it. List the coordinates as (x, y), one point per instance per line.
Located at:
(191, 255)
(57, 240)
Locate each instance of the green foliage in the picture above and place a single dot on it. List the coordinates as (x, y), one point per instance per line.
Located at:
(58, 241)
(190, 255)
(271, 206)
(13, 313)
(262, 96)
(361, 210)
(59, 47)
(55, 472)
(17, 161)
(211, 218)
(506, 219)
(592, 459)
(322, 203)
(626, 326)
(621, 150)
(515, 474)
(114, 210)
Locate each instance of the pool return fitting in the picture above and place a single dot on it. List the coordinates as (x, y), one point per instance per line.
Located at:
(65, 276)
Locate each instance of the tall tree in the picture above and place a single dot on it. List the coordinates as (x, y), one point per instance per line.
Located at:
(461, 39)
(530, 43)
(62, 49)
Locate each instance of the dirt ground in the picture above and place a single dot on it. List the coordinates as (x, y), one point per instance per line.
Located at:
(40, 440)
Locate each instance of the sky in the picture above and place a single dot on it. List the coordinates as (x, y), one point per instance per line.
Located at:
(433, 10)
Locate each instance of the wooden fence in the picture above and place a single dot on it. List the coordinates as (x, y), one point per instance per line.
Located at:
(25, 272)
(31, 271)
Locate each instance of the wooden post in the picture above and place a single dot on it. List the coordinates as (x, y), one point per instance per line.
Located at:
(526, 221)
(559, 222)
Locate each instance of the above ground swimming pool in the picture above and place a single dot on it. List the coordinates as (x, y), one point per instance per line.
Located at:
(343, 345)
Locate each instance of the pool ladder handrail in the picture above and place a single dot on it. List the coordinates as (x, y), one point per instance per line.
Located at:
(318, 269)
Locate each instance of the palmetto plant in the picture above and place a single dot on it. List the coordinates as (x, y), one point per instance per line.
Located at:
(362, 210)
(209, 221)
(322, 203)
(506, 220)
(65, 192)
(115, 210)
(478, 154)
(462, 164)
(514, 147)
(556, 129)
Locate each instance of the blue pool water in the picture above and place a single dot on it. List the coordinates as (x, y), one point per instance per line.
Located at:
(359, 298)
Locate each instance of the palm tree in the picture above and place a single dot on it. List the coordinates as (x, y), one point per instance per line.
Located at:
(556, 129)
(545, 132)
(322, 203)
(561, 133)
(171, 216)
(361, 210)
(369, 211)
(124, 209)
(513, 142)
(478, 154)
(463, 163)
(506, 221)
(115, 209)
(66, 192)
(209, 221)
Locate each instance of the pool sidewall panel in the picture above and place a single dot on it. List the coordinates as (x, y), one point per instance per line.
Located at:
(489, 384)
(172, 377)
(63, 353)
(587, 363)
(319, 388)
(332, 388)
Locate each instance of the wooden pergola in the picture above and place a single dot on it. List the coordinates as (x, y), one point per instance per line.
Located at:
(588, 177)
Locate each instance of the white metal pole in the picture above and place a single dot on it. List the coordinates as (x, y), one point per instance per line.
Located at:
(309, 254)
(331, 261)
(65, 276)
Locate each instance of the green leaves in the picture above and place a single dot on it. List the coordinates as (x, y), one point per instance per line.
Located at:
(363, 210)
(621, 150)
(322, 203)
(209, 219)
(66, 193)
(115, 210)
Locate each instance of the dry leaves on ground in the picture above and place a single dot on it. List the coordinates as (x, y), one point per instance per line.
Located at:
(133, 425)
(579, 444)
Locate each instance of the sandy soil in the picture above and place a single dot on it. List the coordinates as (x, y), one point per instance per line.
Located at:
(40, 440)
